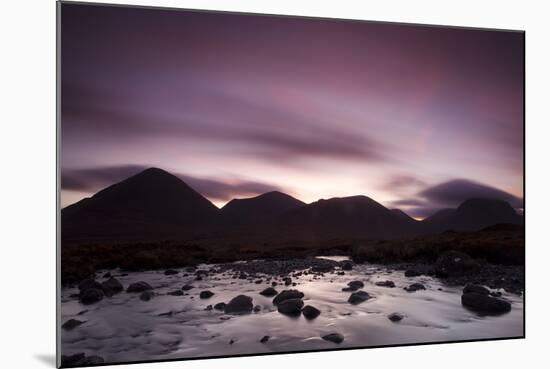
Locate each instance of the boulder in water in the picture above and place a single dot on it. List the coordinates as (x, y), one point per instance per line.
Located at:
(310, 312)
(358, 297)
(290, 307)
(241, 304)
(333, 337)
(286, 295)
(138, 287)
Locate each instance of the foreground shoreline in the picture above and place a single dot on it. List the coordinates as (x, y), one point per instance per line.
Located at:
(189, 323)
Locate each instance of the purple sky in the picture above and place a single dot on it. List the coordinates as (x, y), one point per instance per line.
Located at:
(237, 105)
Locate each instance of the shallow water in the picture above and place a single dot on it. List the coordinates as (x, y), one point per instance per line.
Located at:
(125, 328)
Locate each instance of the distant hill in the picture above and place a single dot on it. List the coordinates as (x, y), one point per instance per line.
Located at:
(156, 206)
(347, 217)
(262, 209)
(149, 205)
(472, 215)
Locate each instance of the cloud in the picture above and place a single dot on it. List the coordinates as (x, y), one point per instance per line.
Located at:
(273, 132)
(403, 182)
(454, 192)
(451, 194)
(94, 179)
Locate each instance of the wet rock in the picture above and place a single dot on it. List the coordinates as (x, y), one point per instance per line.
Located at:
(265, 339)
(333, 337)
(170, 272)
(71, 324)
(89, 283)
(112, 284)
(187, 287)
(388, 284)
(91, 295)
(206, 294)
(475, 288)
(176, 293)
(415, 287)
(257, 308)
(395, 317)
(80, 359)
(454, 263)
(146, 295)
(412, 273)
(258, 281)
(290, 307)
(485, 304)
(241, 304)
(347, 265)
(358, 297)
(353, 286)
(139, 287)
(269, 292)
(287, 295)
(310, 312)
(288, 281)
(208, 308)
(220, 306)
(273, 284)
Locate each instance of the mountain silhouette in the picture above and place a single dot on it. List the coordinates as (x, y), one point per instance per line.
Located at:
(155, 206)
(347, 217)
(262, 209)
(152, 203)
(472, 215)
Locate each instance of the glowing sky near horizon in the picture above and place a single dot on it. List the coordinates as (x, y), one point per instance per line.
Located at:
(314, 108)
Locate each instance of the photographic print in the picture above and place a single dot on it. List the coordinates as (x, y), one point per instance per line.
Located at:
(246, 184)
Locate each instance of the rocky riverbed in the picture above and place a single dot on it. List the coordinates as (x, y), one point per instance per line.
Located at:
(241, 308)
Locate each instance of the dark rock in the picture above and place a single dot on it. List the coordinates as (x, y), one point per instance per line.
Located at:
(176, 293)
(257, 308)
(265, 339)
(91, 295)
(170, 272)
(347, 265)
(333, 337)
(290, 307)
(208, 308)
(139, 287)
(485, 304)
(358, 297)
(388, 284)
(273, 284)
(269, 292)
(241, 304)
(310, 312)
(288, 281)
(206, 294)
(220, 306)
(415, 287)
(146, 295)
(454, 263)
(80, 359)
(353, 286)
(112, 284)
(395, 317)
(71, 324)
(107, 275)
(258, 281)
(187, 287)
(412, 273)
(475, 288)
(198, 278)
(287, 295)
(72, 360)
(89, 283)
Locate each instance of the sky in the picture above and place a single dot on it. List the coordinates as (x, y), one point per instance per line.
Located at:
(416, 117)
